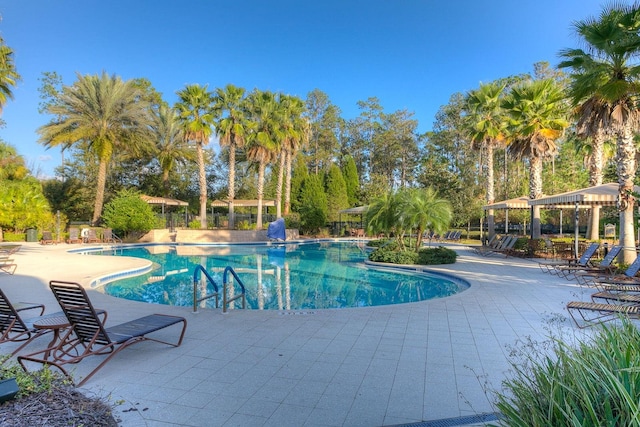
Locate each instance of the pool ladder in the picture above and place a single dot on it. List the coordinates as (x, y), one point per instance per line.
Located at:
(226, 299)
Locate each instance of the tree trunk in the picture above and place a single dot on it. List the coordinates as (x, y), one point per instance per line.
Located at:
(490, 191)
(102, 179)
(165, 183)
(202, 180)
(595, 178)
(283, 159)
(232, 183)
(535, 192)
(260, 191)
(626, 160)
(287, 185)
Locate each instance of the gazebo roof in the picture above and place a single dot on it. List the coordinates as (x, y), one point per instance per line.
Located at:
(517, 203)
(599, 195)
(358, 210)
(241, 203)
(152, 200)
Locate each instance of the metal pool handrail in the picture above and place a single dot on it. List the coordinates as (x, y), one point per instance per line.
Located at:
(226, 300)
(196, 276)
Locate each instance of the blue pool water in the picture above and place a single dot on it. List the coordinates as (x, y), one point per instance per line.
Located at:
(279, 277)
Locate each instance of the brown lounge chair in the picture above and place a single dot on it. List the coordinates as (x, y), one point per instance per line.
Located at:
(8, 265)
(592, 313)
(6, 250)
(88, 335)
(47, 238)
(605, 267)
(13, 328)
(583, 261)
(74, 236)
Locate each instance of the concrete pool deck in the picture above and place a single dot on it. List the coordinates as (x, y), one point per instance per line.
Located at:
(390, 365)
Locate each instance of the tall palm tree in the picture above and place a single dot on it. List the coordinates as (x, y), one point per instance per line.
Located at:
(8, 74)
(196, 117)
(232, 128)
(487, 131)
(537, 119)
(106, 114)
(606, 84)
(264, 142)
(293, 134)
(171, 147)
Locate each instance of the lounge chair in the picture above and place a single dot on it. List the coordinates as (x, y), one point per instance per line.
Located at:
(583, 261)
(495, 243)
(13, 328)
(74, 236)
(8, 265)
(605, 267)
(626, 278)
(47, 238)
(592, 313)
(92, 237)
(6, 250)
(107, 236)
(88, 335)
(506, 244)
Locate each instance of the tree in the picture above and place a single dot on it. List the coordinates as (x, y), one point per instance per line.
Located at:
(336, 190)
(383, 216)
(487, 131)
(128, 213)
(263, 144)
(9, 77)
(313, 205)
(295, 135)
(537, 119)
(103, 113)
(171, 148)
(232, 128)
(350, 174)
(196, 118)
(299, 174)
(324, 121)
(421, 210)
(604, 84)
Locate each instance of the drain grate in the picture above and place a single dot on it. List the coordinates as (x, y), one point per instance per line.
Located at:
(453, 422)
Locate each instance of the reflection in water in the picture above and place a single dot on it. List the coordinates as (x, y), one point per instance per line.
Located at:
(318, 275)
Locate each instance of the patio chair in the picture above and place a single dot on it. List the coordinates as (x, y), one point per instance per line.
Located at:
(605, 266)
(601, 280)
(503, 244)
(592, 313)
(47, 238)
(107, 236)
(8, 265)
(88, 336)
(74, 236)
(91, 236)
(13, 328)
(584, 260)
(6, 250)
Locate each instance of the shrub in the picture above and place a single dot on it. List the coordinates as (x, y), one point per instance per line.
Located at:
(439, 255)
(591, 382)
(194, 224)
(391, 255)
(29, 382)
(128, 213)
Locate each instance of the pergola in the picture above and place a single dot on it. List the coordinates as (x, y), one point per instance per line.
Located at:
(241, 203)
(358, 210)
(517, 203)
(165, 201)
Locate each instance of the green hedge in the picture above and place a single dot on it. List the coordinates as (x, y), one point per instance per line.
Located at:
(439, 255)
(425, 256)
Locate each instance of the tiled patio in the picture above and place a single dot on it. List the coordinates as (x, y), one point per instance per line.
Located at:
(349, 367)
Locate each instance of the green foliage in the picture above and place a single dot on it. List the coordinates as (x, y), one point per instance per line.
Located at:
(313, 205)
(127, 213)
(352, 183)
(292, 220)
(22, 205)
(336, 193)
(29, 382)
(390, 254)
(434, 256)
(592, 382)
(194, 224)
(8, 236)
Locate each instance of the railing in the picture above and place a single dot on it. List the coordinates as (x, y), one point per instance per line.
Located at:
(196, 277)
(225, 299)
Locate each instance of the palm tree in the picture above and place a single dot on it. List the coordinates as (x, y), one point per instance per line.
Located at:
(294, 136)
(195, 115)
(487, 131)
(383, 216)
(537, 119)
(171, 148)
(105, 113)
(232, 128)
(264, 142)
(605, 84)
(8, 74)
(422, 210)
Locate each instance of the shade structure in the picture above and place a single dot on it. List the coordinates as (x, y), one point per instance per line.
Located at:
(358, 210)
(241, 203)
(164, 201)
(599, 195)
(517, 203)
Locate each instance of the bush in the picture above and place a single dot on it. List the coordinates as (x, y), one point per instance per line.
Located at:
(28, 382)
(393, 256)
(592, 382)
(194, 224)
(127, 213)
(439, 255)
(13, 237)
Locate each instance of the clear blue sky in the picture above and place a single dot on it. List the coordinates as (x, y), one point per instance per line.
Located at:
(411, 54)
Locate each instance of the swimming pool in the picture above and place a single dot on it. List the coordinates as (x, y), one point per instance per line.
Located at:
(291, 276)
